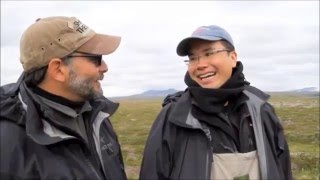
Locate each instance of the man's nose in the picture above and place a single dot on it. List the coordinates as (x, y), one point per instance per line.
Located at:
(103, 67)
(201, 61)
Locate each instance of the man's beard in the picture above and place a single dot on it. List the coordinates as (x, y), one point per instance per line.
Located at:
(83, 87)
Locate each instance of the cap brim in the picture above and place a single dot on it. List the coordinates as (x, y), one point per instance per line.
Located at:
(182, 48)
(100, 44)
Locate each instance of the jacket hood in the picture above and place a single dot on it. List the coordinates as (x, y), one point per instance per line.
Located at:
(11, 107)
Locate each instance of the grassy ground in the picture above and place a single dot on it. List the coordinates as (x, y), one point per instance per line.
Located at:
(299, 116)
(132, 123)
(300, 119)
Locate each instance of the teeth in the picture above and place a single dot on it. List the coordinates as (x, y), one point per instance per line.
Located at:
(207, 75)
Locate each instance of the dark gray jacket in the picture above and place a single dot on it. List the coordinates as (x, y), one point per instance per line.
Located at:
(33, 146)
(178, 146)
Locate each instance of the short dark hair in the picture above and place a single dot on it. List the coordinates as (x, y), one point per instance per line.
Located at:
(227, 45)
(33, 78)
(66, 60)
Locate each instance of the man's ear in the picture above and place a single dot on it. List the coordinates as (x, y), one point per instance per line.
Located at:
(57, 70)
(234, 58)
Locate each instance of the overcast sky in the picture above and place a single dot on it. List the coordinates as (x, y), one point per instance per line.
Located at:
(278, 42)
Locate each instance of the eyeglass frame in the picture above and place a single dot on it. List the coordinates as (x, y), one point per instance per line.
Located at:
(187, 61)
(95, 59)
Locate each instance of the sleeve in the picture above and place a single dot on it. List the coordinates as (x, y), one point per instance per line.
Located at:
(282, 148)
(156, 158)
(13, 165)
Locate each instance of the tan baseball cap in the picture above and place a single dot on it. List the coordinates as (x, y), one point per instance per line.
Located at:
(57, 37)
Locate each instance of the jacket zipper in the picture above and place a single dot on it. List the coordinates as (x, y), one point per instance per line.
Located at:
(92, 168)
(209, 159)
(209, 162)
(92, 148)
(234, 150)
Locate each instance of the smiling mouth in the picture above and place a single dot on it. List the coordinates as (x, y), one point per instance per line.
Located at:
(204, 76)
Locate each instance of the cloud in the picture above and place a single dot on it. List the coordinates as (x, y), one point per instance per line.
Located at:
(278, 42)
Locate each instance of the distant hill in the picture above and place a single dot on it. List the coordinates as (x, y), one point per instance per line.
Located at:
(150, 94)
(307, 91)
(157, 93)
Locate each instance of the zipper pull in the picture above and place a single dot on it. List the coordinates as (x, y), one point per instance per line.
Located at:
(208, 134)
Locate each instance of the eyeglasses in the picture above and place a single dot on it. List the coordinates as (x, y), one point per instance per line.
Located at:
(95, 59)
(209, 54)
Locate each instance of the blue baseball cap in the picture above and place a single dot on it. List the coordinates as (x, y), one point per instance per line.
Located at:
(209, 33)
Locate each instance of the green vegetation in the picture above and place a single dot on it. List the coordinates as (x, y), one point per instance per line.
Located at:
(298, 114)
(300, 119)
(132, 122)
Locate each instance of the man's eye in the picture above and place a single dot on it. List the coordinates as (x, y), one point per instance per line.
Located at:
(192, 58)
(208, 54)
(95, 60)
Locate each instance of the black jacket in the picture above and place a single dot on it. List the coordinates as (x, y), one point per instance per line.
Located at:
(179, 146)
(30, 149)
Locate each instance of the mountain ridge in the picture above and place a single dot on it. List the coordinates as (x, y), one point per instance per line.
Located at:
(307, 91)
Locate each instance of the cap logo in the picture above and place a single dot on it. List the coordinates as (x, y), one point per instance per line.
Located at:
(77, 25)
(80, 27)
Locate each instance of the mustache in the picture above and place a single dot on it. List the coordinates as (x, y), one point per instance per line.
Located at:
(101, 77)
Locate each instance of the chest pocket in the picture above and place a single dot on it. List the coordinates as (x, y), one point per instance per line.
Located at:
(235, 166)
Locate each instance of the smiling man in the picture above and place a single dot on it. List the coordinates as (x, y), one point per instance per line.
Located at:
(220, 127)
(55, 120)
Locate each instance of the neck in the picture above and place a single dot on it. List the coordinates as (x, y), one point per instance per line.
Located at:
(58, 99)
(59, 90)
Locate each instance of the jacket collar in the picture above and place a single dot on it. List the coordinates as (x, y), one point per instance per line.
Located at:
(44, 133)
(181, 116)
(35, 127)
